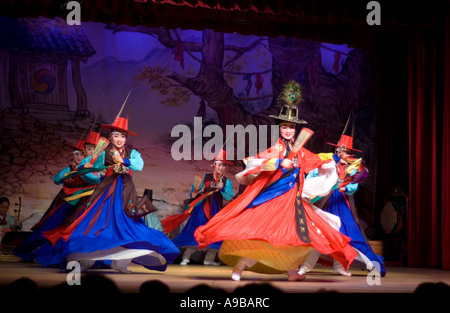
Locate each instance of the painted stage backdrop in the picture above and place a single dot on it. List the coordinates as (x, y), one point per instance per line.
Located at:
(56, 81)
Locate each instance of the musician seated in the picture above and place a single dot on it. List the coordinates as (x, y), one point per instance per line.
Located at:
(7, 222)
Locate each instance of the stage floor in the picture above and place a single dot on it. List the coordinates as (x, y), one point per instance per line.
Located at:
(180, 279)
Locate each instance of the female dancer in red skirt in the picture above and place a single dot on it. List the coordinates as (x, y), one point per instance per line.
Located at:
(269, 228)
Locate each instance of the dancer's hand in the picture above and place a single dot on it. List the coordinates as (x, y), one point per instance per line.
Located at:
(286, 163)
(118, 159)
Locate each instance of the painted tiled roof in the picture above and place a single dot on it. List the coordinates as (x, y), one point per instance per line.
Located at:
(45, 36)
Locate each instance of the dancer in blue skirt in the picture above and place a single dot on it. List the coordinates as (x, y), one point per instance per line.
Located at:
(207, 198)
(112, 225)
(350, 172)
(72, 195)
(50, 253)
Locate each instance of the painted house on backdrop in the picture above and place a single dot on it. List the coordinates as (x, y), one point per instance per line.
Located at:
(34, 59)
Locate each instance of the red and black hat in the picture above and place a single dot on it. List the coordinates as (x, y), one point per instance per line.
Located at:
(120, 124)
(79, 146)
(221, 157)
(92, 138)
(345, 143)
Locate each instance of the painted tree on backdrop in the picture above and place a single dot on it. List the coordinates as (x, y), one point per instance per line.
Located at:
(291, 58)
(329, 97)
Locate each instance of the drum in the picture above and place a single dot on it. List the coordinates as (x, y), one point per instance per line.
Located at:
(393, 215)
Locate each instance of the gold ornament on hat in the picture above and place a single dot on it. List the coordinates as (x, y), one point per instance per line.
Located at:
(290, 98)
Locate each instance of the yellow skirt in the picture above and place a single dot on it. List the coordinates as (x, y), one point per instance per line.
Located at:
(271, 259)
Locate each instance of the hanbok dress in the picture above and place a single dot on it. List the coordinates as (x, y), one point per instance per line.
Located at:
(209, 204)
(340, 204)
(269, 222)
(74, 194)
(199, 211)
(112, 226)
